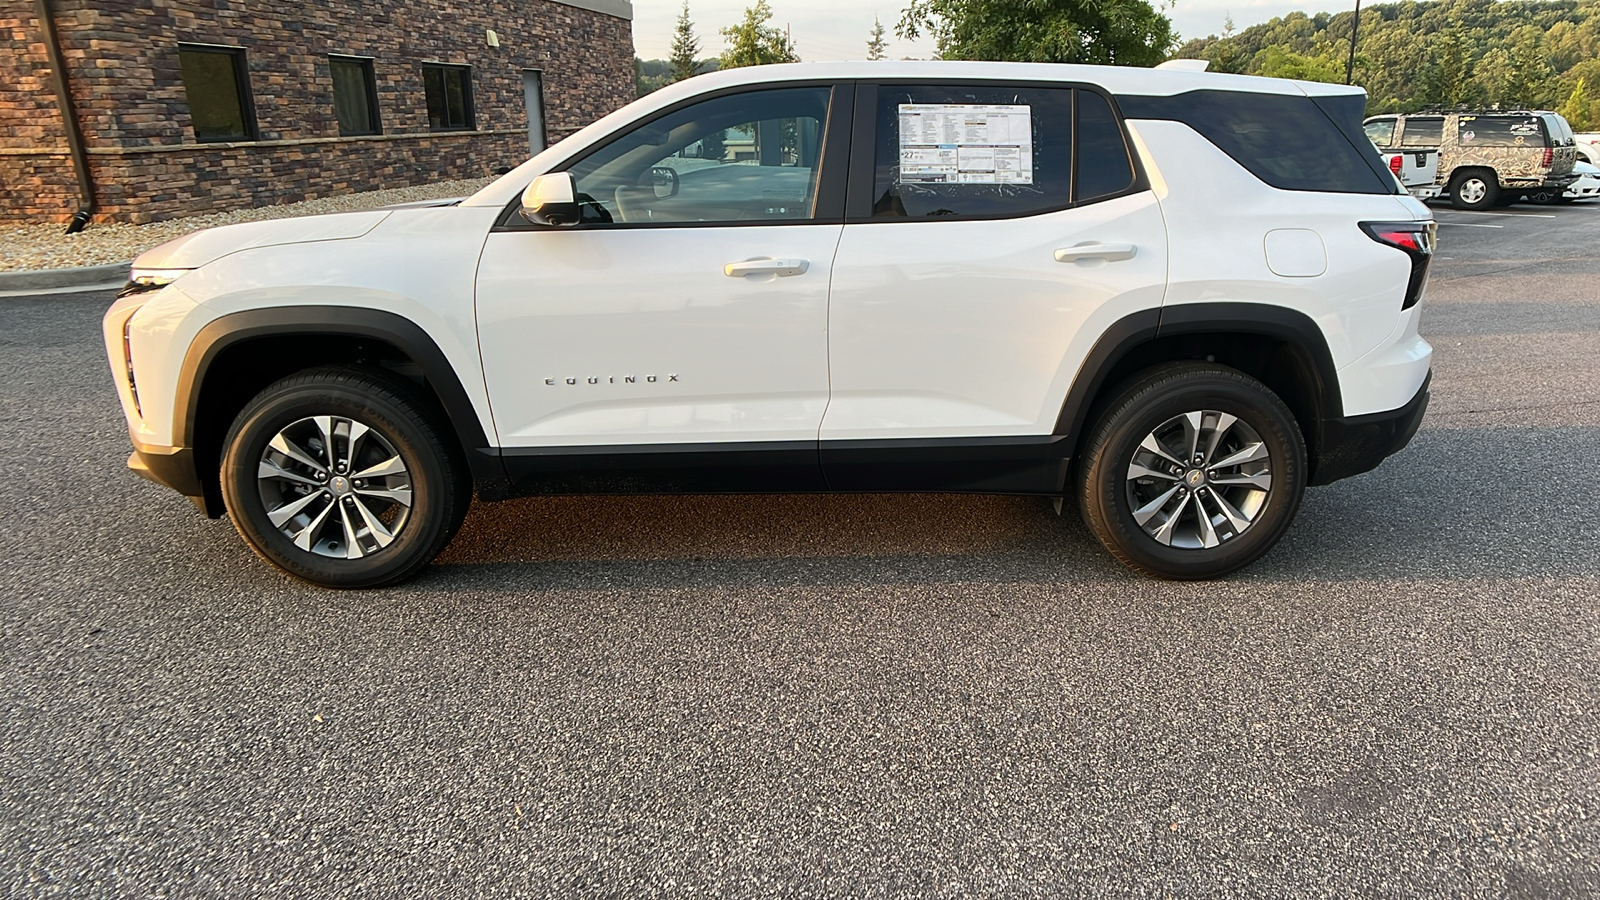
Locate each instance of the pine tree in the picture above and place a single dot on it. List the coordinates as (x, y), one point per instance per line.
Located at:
(1528, 75)
(876, 44)
(1446, 81)
(685, 46)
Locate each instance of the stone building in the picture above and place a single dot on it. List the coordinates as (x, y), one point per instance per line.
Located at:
(192, 106)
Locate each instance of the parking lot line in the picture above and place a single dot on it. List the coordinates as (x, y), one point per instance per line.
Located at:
(1470, 225)
(1513, 215)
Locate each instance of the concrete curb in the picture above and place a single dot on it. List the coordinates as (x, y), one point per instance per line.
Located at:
(30, 281)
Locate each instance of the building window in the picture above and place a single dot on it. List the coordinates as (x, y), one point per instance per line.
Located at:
(355, 95)
(449, 90)
(217, 85)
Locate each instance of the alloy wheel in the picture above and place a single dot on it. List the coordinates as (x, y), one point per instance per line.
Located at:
(335, 487)
(1199, 479)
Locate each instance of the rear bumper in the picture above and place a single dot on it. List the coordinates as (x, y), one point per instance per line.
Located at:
(171, 467)
(1355, 444)
(1557, 182)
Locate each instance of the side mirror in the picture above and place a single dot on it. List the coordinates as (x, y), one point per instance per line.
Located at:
(552, 199)
(663, 180)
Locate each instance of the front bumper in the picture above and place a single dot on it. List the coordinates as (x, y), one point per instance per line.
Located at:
(172, 467)
(1355, 444)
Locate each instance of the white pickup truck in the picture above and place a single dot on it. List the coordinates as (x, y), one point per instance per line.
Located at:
(1417, 170)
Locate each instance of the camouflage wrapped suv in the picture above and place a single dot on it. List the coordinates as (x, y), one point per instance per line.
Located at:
(1486, 158)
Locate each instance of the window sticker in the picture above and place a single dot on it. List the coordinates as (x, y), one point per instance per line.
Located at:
(953, 143)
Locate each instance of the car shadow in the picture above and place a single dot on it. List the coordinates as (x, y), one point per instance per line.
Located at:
(1458, 503)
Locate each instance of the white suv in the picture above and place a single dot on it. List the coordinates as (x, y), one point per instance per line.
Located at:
(1180, 297)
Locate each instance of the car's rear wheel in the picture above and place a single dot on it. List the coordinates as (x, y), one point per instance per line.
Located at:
(1193, 471)
(1474, 189)
(343, 477)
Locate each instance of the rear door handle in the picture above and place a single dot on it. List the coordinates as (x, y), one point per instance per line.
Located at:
(1096, 251)
(779, 267)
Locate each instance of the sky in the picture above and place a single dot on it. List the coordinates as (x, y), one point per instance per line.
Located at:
(838, 29)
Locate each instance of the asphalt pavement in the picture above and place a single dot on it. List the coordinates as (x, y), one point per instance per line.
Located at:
(869, 696)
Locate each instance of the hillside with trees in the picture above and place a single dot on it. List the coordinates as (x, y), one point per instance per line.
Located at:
(1438, 54)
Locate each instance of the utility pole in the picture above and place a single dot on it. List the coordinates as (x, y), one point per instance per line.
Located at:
(1355, 26)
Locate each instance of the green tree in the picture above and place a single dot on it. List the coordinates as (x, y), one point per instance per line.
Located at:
(1528, 78)
(753, 43)
(1576, 109)
(1587, 72)
(649, 75)
(1457, 53)
(875, 43)
(1274, 62)
(685, 47)
(1446, 81)
(1119, 32)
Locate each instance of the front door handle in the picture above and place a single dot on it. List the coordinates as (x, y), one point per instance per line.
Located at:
(779, 267)
(1096, 251)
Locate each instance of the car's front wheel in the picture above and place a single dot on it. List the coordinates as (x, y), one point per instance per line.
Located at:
(342, 476)
(1193, 471)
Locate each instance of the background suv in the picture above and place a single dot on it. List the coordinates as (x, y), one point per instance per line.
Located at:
(1178, 297)
(1487, 158)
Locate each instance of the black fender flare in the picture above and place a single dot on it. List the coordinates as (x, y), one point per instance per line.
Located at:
(1294, 328)
(405, 335)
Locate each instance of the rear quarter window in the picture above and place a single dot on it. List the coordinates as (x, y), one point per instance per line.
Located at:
(1288, 142)
(1500, 131)
(1559, 131)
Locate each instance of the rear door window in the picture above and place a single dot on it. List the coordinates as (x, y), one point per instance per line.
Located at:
(1104, 166)
(971, 151)
(1423, 131)
(1500, 131)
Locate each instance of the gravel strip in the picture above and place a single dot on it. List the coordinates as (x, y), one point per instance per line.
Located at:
(46, 247)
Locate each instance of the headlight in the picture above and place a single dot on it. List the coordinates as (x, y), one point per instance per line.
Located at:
(127, 362)
(141, 280)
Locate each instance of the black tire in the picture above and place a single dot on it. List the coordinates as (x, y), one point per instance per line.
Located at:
(1161, 395)
(433, 477)
(1474, 189)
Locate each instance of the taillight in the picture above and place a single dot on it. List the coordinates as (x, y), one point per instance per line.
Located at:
(1396, 163)
(1416, 240)
(1549, 155)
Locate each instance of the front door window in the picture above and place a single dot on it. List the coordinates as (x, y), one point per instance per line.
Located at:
(751, 157)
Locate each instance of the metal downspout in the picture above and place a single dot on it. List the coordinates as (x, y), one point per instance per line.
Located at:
(69, 115)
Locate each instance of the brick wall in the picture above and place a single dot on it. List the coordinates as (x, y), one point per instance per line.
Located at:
(122, 57)
(32, 184)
